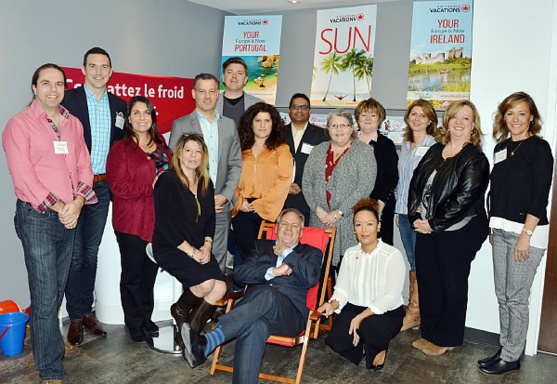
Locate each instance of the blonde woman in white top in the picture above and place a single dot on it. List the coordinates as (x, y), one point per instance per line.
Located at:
(368, 293)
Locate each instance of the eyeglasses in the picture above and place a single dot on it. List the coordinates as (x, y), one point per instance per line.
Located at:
(341, 126)
(298, 106)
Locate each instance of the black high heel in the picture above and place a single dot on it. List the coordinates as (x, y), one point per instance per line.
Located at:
(380, 366)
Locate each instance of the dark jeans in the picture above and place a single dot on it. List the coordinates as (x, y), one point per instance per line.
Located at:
(263, 311)
(47, 247)
(443, 262)
(83, 270)
(137, 280)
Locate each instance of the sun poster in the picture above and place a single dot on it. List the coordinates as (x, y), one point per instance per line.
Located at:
(440, 52)
(343, 64)
(256, 39)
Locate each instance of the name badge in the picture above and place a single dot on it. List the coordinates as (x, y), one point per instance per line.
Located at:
(421, 151)
(119, 120)
(61, 147)
(500, 156)
(306, 148)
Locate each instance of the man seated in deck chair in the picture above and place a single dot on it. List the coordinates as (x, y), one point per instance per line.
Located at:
(279, 274)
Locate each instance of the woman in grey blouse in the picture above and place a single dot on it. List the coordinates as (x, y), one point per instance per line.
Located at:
(337, 174)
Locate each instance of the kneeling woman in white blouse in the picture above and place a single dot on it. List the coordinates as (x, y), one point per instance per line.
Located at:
(368, 293)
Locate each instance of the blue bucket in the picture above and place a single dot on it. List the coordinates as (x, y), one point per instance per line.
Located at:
(12, 332)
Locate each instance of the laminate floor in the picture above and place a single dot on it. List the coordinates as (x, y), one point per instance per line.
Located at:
(117, 359)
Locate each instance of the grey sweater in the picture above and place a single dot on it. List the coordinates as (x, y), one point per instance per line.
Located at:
(353, 179)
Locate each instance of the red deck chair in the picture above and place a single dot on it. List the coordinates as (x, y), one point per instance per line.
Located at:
(319, 238)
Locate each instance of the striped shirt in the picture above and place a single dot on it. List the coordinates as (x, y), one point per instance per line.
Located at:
(99, 118)
(407, 163)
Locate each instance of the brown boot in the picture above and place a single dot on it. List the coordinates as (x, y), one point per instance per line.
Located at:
(180, 311)
(412, 318)
(200, 315)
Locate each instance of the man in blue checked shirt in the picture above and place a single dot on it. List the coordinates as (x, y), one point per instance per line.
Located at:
(102, 115)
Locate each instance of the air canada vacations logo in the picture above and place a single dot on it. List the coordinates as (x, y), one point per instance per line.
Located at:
(253, 22)
(347, 18)
(451, 8)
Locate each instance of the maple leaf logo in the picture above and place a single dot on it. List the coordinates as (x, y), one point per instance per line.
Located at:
(465, 8)
(265, 22)
(360, 16)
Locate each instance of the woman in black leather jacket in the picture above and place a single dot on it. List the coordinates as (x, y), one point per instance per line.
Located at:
(446, 209)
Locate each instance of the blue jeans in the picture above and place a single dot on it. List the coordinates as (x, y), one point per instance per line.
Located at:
(408, 237)
(83, 271)
(47, 247)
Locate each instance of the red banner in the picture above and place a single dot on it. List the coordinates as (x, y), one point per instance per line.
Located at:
(171, 96)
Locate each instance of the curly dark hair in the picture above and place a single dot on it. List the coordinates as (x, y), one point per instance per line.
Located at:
(247, 138)
(370, 205)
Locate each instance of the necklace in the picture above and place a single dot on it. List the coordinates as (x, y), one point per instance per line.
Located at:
(518, 146)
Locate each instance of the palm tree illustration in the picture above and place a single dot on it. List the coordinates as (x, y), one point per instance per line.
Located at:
(332, 64)
(364, 69)
(350, 62)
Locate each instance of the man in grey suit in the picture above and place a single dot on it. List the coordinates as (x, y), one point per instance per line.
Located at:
(233, 102)
(225, 156)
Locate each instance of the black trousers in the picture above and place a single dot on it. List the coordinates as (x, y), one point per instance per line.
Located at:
(443, 263)
(246, 228)
(376, 332)
(136, 281)
(387, 222)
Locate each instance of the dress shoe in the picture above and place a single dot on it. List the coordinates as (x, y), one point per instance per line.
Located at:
(151, 328)
(501, 367)
(194, 346)
(137, 335)
(491, 359)
(435, 350)
(71, 351)
(75, 333)
(51, 382)
(92, 326)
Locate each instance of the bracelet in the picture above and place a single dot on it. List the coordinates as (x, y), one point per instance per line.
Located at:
(192, 253)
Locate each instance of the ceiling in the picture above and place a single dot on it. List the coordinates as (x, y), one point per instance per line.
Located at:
(246, 7)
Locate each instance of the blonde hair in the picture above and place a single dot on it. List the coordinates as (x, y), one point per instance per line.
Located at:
(202, 171)
(476, 134)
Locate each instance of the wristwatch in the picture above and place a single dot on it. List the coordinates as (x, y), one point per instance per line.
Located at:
(529, 232)
(340, 212)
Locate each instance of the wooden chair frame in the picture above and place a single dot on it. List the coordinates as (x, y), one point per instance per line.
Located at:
(313, 325)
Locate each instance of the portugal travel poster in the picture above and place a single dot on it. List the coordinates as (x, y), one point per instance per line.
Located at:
(440, 52)
(256, 39)
(343, 64)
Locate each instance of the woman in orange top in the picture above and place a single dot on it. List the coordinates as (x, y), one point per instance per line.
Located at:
(266, 173)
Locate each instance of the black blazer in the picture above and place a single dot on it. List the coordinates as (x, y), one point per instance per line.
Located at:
(313, 135)
(75, 101)
(304, 260)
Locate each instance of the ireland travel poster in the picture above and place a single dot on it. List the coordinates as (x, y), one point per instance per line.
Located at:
(440, 52)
